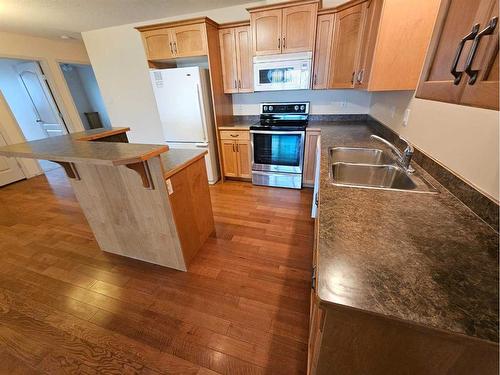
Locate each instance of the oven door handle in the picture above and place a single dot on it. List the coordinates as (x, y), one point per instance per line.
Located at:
(277, 132)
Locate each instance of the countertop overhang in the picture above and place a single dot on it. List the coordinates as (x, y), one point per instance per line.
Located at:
(422, 258)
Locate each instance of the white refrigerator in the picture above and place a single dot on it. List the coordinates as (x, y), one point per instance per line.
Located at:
(185, 106)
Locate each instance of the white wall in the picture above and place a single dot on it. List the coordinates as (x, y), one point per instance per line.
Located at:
(120, 65)
(322, 101)
(78, 93)
(18, 100)
(94, 96)
(464, 139)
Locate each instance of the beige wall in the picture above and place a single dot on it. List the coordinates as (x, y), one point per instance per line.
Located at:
(464, 139)
(49, 52)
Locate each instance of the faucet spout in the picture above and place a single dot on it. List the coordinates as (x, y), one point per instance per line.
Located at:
(404, 158)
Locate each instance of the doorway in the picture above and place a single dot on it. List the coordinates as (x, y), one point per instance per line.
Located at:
(31, 101)
(84, 89)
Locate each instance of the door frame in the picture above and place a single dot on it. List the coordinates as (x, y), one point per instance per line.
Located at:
(73, 123)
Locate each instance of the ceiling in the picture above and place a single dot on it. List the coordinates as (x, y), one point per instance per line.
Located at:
(53, 18)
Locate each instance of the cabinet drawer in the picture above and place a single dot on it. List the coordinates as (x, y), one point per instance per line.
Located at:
(235, 135)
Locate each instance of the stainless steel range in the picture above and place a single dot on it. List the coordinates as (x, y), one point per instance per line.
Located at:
(278, 144)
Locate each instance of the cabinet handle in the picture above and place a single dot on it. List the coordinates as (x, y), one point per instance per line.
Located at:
(235, 84)
(313, 278)
(279, 43)
(352, 77)
(237, 147)
(488, 30)
(175, 47)
(239, 83)
(284, 45)
(171, 49)
(359, 77)
(234, 135)
(458, 53)
(315, 79)
(233, 147)
(316, 199)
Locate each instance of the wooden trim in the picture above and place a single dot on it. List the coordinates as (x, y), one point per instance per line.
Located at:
(157, 151)
(190, 21)
(142, 169)
(180, 167)
(229, 25)
(103, 134)
(283, 5)
(340, 7)
(69, 168)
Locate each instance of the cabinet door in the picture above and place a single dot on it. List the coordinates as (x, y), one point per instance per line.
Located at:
(266, 32)
(323, 51)
(228, 58)
(158, 44)
(369, 28)
(229, 158)
(455, 20)
(299, 28)
(346, 43)
(243, 159)
(189, 40)
(244, 64)
(310, 157)
(483, 91)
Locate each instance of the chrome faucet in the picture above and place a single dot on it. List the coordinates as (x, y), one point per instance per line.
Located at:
(403, 159)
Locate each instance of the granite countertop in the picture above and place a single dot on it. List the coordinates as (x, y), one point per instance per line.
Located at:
(419, 257)
(176, 159)
(73, 148)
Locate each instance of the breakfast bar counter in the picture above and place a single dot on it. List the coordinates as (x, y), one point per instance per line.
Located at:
(137, 198)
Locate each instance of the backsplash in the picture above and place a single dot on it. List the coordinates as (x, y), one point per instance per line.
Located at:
(322, 101)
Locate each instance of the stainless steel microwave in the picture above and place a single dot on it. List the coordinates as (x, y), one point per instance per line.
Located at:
(290, 71)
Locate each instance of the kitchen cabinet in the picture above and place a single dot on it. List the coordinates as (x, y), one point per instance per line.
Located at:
(371, 40)
(311, 141)
(323, 50)
(283, 28)
(236, 56)
(462, 63)
(236, 157)
(176, 39)
(346, 46)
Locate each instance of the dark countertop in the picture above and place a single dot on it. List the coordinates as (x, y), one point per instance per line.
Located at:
(73, 148)
(423, 258)
(176, 159)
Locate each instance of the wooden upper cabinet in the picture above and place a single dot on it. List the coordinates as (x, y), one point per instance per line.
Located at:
(228, 56)
(284, 28)
(453, 72)
(369, 32)
(298, 28)
(236, 55)
(322, 52)
(158, 44)
(189, 40)
(243, 36)
(346, 47)
(266, 26)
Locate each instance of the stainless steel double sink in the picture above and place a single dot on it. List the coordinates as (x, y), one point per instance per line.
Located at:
(373, 168)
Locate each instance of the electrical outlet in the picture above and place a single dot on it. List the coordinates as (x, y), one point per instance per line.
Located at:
(406, 117)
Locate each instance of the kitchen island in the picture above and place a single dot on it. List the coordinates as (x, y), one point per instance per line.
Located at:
(142, 201)
(405, 282)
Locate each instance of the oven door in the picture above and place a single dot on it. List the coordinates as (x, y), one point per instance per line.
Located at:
(277, 151)
(282, 75)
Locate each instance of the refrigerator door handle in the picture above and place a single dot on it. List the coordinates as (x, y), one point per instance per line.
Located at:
(202, 112)
(201, 145)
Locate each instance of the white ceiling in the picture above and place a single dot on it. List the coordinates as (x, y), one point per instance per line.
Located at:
(53, 18)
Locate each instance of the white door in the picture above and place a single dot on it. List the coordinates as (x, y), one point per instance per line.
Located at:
(48, 116)
(179, 99)
(9, 169)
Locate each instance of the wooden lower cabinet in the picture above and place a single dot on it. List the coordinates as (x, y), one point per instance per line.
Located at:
(236, 157)
(310, 156)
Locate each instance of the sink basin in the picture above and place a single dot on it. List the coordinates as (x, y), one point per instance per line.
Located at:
(360, 155)
(388, 177)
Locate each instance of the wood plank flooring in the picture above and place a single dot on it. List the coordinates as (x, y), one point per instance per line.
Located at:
(66, 307)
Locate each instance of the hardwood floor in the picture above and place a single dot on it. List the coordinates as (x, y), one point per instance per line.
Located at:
(68, 307)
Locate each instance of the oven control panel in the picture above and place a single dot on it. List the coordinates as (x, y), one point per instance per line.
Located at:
(285, 108)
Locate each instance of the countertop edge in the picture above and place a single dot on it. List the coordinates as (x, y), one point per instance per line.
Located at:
(186, 164)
